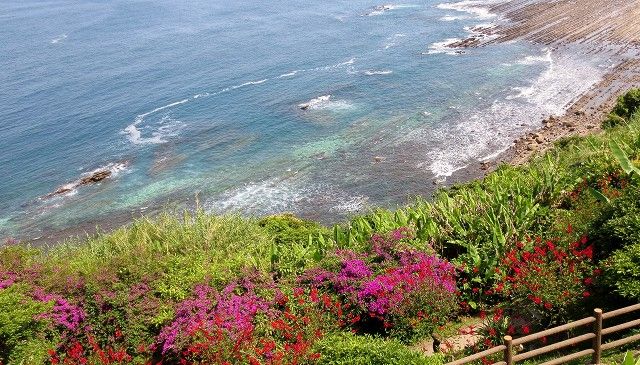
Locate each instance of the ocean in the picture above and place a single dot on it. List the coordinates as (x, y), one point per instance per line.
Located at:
(323, 109)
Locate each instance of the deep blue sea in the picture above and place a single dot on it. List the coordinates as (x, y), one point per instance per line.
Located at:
(202, 100)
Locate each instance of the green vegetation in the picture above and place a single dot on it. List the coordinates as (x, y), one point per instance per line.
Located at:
(347, 348)
(626, 106)
(533, 245)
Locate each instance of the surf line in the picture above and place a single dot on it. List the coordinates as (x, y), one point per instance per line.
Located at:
(135, 135)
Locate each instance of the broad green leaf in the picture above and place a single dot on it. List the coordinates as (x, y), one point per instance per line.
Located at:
(628, 359)
(621, 156)
(598, 195)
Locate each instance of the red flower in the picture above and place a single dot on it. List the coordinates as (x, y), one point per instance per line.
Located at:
(498, 314)
(586, 294)
(547, 305)
(537, 300)
(314, 295)
(526, 329)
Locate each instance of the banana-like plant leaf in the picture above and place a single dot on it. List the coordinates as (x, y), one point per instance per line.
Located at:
(599, 196)
(622, 158)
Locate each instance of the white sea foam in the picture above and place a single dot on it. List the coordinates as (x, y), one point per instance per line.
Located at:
(532, 59)
(349, 62)
(376, 72)
(382, 9)
(289, 74)
(269, 196)
(444, 47)
(165, 127)
(350, 204)
(315, 103)
(558, 86)
(477, 8)
(135, 131)
(325, 102)
(141, 117)
(451, 18)
(484, 134)
(392, 40)
(285, 194)
(59, 39)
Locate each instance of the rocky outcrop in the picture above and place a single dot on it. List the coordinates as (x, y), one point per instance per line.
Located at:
(95, 177)
(90, 178)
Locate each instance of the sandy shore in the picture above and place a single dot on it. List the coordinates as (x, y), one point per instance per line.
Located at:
(604, 27)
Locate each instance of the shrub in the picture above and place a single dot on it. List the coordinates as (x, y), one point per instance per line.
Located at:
(243, 324)
(291, 252)
(23, 330)
(392, 288)
(622, 271)
(626, 106)
(613, 120)
(543, 281)
(351, 349)
(620, 222)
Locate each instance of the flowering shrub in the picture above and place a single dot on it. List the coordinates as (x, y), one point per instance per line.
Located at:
(67, 316)
(393, 288)
(239, 325)
(544, 280)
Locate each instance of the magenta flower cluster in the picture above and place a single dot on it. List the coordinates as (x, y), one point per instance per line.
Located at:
(7, 279)
(387, 280)
(63, 313)
(385, 292)
(212, 311)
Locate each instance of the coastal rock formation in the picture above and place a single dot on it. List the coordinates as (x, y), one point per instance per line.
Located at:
(92, 177)
(95, 177)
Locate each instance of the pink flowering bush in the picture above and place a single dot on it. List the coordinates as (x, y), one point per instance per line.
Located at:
(391, 289)
(237, 325)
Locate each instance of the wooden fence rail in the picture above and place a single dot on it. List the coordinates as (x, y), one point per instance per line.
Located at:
(509, 358)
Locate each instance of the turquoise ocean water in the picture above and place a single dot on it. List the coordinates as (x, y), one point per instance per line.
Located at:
(203, 98)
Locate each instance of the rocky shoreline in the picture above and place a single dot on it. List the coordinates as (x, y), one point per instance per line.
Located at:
(582, 118)
(595, 27)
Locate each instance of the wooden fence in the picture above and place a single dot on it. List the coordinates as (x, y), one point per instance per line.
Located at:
(598, 332)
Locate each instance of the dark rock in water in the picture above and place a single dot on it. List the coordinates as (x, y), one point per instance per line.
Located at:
(91, 178)
(304, 106)
(95, 177)
(465, 43)
(60, 191)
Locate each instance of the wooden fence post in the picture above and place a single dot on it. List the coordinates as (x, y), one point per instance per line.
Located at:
(508, 352)
(597, 341)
